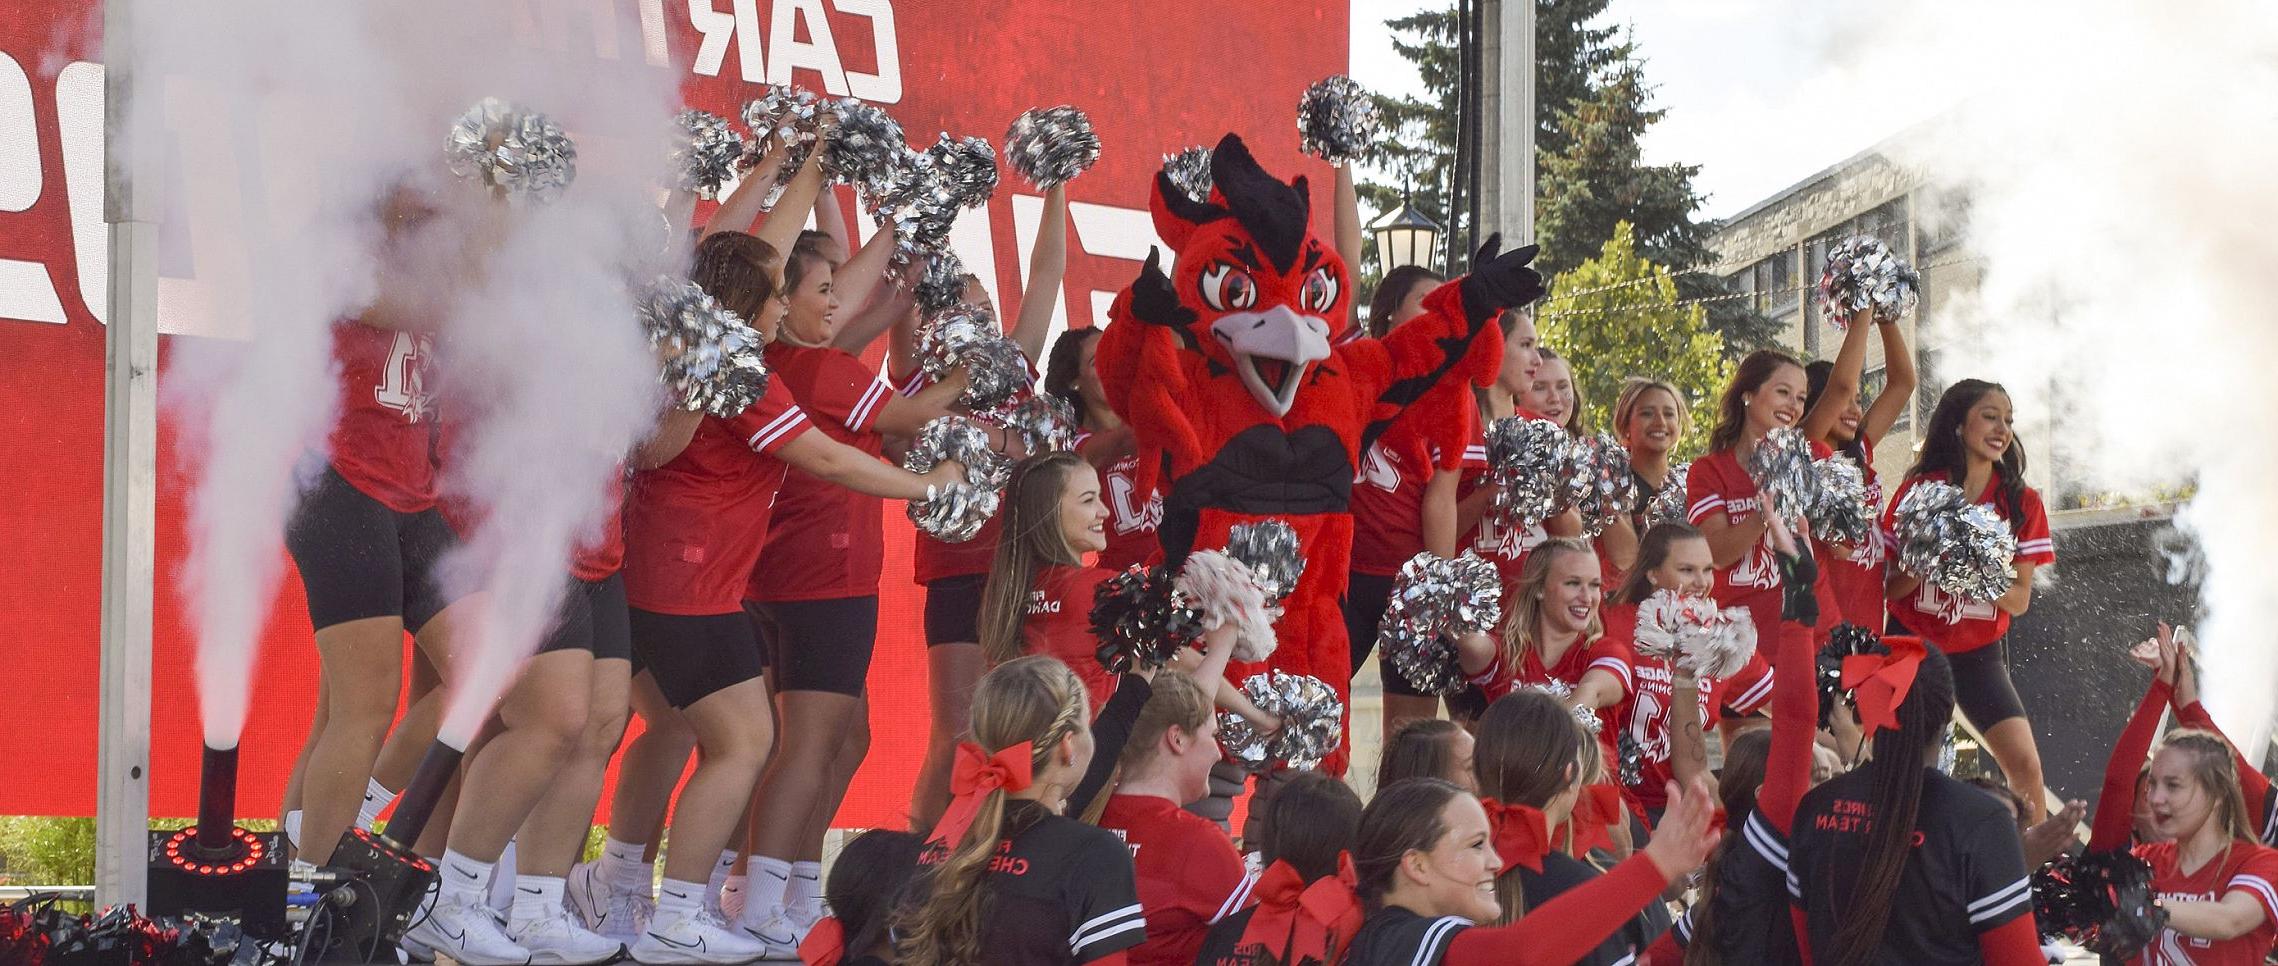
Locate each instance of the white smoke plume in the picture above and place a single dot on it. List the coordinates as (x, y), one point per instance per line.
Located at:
(329, 106)
(2118, 157)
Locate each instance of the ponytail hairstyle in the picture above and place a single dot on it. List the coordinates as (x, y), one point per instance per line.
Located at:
(1943, 452)
(1063, 365)
(1652, 552)
(868, 883)
(1896, 775)
(1815, 378)
(1422, 748)
(1523, 614)
(1732, 407)
(1309, 822)
(1402, 818)
(1393, 290)
(738, 269)
(2215, 767)
(1530, 750)
(1034, 699)
(1174, 701)
(1028, 541)
(1736, 786)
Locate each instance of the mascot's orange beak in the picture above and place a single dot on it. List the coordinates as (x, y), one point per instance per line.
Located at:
(1272, 351)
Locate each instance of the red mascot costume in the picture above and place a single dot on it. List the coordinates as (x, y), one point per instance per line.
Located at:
(1246, 408)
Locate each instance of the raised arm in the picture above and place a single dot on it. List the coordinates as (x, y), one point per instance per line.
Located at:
(836, 462)
(1047, 267)
(830, 220)
(1795, 718)
(1688, 745)
(1348, 229)
(2190, 713)
(780, 230)
(742, 206)
(891, 303)
(862, 282)
(2116, 801)
(1898, 383)
(1842, 382)
(1455, 341)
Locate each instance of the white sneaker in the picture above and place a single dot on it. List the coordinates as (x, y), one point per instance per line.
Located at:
(698, 937)
(585, 893)
(469, 933)
(781, 935)
(558, 940)
(412, 949)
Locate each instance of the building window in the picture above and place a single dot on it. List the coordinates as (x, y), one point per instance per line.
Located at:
(1871, 386)
(1774, 282)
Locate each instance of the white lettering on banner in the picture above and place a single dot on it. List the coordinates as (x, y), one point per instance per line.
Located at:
(785, 53)
(19, 139)
(885, 86)
(819, 52)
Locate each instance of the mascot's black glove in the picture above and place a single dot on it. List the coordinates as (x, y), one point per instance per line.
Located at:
(1799, 576)
(1501, 281)
(1154, 300)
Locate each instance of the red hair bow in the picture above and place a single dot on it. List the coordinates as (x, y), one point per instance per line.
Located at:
(1303, 922)
(1879, 682)
(1595, 811)
(976, 774)
(825, 944)
(1521, 834)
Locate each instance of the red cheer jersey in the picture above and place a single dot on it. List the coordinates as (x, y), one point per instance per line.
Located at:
(598, 553)
(1958, 626)
(1855, 576)
(695, 526)
(1189, 875)
(1059, 622)
(1132, 517)
(1718, 484)
(1502, 544)
(1388, 497)
(2247, 868)
(827, 541)
(1644, 712)
(380, 443)
(936, 559)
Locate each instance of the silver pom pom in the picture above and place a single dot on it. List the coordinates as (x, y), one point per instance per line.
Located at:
(776, 104)
(1695, 634)
(959, 439)
(1668, 504)
(797, 129)
(865, 149)
(1527, 460)
(1312, 723)
(1845, 512)
(1045, 424)
(713, 358)
(503, 146)
(1599, 483)
(1433, 601)
(1337, 120)
(966, 335)
(1226, 592)
(967, 167)
(1270, 548)
(1863, 273)
(1781, 465)
(1962, 548)
(1051, 146)
(1190, 171)
(705, 151)
(941, 285)
(956, 513)
(917, 204)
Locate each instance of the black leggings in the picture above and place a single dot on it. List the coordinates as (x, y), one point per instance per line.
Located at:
(1982, 688)
(818, 645)
(692, 657)
(359, 559)
(1366, 597)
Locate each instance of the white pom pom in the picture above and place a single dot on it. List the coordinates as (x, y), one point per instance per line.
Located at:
(1225, 592)
(1693, 633)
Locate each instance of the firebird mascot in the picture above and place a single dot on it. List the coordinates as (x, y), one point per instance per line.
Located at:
(1246, 408)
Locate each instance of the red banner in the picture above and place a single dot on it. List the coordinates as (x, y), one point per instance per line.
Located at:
(1155, 78)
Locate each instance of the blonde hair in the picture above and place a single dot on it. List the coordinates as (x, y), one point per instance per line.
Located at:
(1633, 391)
(1174, 701)
(1028, 541)
(1522, 607)
(2215, 767)
(1033, 699)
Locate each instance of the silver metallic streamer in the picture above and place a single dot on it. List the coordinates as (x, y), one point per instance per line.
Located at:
(961, 439)
(956, 513)
(1434, 600)
(705, 152)
(865, 149)
(1669, 504)
(1863, 273)
(1051, 146)
(504, 146)
(1599, 483)
(1962, 548)
(1190, 171)
(1269, 548)
(967, 167)
(714, 361)
(1845, 512)
(941, 285)
(1312, 723)
(1785, 479)
(761, 114)
(1337, 120)
(1044, 423)
(1527, 460)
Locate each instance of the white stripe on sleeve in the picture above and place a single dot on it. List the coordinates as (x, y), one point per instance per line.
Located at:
(2001, 900)
(1104, 926)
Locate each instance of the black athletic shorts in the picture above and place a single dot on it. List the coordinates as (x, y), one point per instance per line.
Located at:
(1982, 688)
(594, 618)
(953, 610)
(692, 657)
(1366, 596)
(358, 559)
(818, 645)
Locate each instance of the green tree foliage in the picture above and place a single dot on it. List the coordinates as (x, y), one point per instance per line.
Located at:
(1611, 317)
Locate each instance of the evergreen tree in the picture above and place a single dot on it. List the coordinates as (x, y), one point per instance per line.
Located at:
(1611, 317)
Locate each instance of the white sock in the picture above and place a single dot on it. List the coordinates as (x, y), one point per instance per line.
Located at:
(677, 899)
(719, 879)
(502, 878)
(536, 897)
(463, 879)
(623, 869)
(292, 825)
(805, 898)
(763, 894)
(376, 799)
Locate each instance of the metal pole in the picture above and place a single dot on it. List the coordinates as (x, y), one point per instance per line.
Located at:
(1507, 148)
(130, 479)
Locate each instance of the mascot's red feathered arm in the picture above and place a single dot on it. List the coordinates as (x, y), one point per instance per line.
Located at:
(1142, 371)
(1430, 362)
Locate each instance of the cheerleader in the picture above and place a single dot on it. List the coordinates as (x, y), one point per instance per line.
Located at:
(1971, 443)
(953, 574)
(1005, 877)
(1428, 748)
(1483, 532)
(1189, 875)
(1552, 393)
(1553, 633)
(1426, 866)
(1856, 575)
(1072, 376)
(2195, 827)
(1897, 862)
(1302, 908)
(1651, 420)
(1766, 392)
(868, 881)
(2261, 805)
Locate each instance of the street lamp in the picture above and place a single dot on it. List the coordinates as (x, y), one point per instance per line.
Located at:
(1404, 236)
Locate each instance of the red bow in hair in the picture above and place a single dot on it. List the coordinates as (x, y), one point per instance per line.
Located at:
(1879, 682)
(1521, 834)
(976, 775)
(1314, 921)
(825, 944)
(1595, 811)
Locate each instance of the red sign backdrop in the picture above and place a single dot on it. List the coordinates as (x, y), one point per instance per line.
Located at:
(1155, 77)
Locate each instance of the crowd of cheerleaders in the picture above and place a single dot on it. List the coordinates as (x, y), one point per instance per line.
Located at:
(735, 607)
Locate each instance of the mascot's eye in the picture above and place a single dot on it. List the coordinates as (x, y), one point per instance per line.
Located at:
(1226, 288)
(1320, 291)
